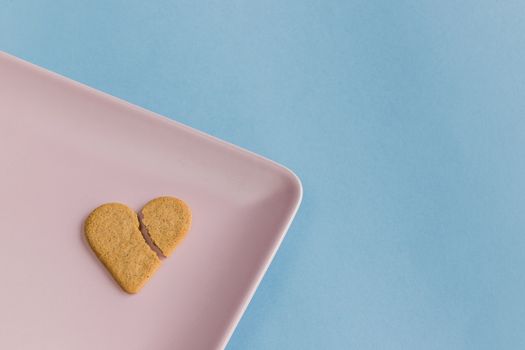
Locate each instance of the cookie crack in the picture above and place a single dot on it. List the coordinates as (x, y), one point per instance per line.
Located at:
(148, 239)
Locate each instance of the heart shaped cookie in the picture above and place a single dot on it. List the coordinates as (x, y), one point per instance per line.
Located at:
(112, 231)
(166, 220)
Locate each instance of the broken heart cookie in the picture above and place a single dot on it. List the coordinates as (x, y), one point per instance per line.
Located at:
(112, 231)
(166, 220)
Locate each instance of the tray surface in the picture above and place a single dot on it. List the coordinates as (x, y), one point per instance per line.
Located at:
(65, 149)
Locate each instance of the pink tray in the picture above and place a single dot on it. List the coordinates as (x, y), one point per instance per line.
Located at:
(65, 149)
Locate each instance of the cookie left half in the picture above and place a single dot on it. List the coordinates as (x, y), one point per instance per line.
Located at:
(113, 232)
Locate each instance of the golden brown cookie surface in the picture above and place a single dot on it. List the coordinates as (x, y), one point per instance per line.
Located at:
(167, 220)
(112, 231)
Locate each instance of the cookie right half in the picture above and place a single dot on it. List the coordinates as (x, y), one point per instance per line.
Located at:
(167, 220)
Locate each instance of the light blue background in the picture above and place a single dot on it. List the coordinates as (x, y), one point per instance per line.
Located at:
(404, 119)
